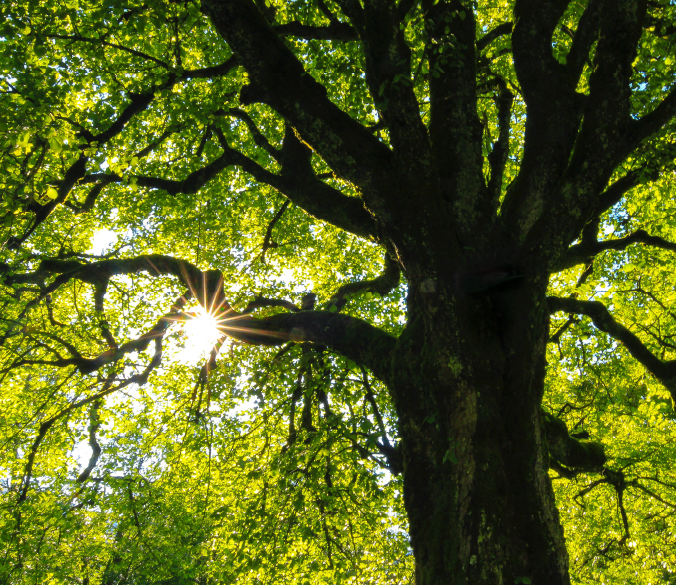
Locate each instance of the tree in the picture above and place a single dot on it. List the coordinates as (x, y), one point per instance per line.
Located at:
(436, 239)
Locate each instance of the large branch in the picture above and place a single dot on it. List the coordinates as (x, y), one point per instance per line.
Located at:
(539, 73)
(297, 182)
(404, 219)
(586, 33)
(605, 136)
(554, 111)
(349, 336)
(74, 173)
(277, 78)
(213, 71)
(664, 371)
(388, 76)
(497, 158)
(614, 193)
(455, 130)
(607, 112)
(137, 103)
(593, 208)
(577, 455)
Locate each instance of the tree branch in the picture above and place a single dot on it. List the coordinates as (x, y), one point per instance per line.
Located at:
(194, 181)
(652, 494)
(214, 71)
(258, 137)
(539, 73)
(652, 122)
(500, 30)
(583, 39)
(382, 285)
(104, 43)
(138, 103)
(577, 455)
(607, 134)
(78, 169)
(94, 425)
(336, 31)
(554, 112)
(497, 158)
(261, 302)
(74, 173)
(665, 372)
(297, 182)
(604, 134)
(354, 11)
(583, 252)
(107, 388)
(349, 336)
(268, 242)
(277, 78)
(388, 76)
(455, 129)
(614, 193)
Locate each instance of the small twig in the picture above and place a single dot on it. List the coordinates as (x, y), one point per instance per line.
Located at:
(372, 401)
(268, 242)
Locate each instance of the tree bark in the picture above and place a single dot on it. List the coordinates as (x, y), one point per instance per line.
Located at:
(468, 380)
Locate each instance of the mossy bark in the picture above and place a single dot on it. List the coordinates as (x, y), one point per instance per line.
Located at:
(468, 383)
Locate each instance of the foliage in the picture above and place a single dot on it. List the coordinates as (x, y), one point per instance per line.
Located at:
(123, 135)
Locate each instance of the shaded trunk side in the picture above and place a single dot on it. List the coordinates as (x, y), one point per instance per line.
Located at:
(468, 384)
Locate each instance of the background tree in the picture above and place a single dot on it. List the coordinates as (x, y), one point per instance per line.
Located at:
(387, 210)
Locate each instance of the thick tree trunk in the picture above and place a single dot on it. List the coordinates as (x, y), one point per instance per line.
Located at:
(468, 383)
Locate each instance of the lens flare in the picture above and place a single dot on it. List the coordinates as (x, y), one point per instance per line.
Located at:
(201, 335)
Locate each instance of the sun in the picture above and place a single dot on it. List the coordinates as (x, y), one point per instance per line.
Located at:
(201, 335)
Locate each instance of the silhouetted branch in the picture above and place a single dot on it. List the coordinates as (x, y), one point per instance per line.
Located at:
(336, 31)
(267, 240)
(499, 31)
(382, 285)
(349, 336)
(104, 43)
(577, 455)
(664, 371)
(261, 302)
(583, 39)
(583, 252)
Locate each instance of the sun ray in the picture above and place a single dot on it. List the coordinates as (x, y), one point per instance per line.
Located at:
(202, 334)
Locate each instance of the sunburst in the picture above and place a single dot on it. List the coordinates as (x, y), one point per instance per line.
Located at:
(203, 332)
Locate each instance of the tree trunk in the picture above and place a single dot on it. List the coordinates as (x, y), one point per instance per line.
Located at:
(468, 384)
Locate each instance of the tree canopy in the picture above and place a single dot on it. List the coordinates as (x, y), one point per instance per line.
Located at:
(292, 170)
